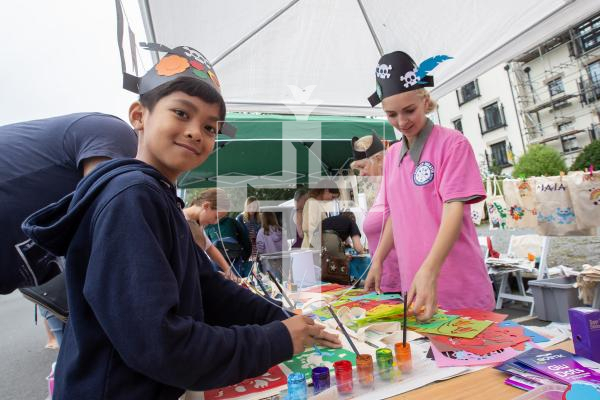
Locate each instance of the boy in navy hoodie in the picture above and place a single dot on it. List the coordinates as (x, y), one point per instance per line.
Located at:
(148, 315)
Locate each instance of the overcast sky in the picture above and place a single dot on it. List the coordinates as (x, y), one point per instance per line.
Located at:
(59, 57)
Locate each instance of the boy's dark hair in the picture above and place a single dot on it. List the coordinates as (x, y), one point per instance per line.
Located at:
(188, 85)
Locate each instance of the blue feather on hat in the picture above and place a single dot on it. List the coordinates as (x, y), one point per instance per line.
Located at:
(428, 65)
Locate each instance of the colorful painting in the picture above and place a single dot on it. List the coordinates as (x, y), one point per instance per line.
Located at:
(272, 379)
(491, 339)
(305, 362)
(464, 358)
(457, 327)
(480, 315)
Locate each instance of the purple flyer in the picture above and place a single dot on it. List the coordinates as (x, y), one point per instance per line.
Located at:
(558, 365)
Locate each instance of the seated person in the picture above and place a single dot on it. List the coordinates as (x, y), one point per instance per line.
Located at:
(231, 239)
(344, 225)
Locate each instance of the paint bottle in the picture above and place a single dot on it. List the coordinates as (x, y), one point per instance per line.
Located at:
(385, 361)
(320, 379)
(343, 376)
(297, 386)
(364, 367)
(403, 357)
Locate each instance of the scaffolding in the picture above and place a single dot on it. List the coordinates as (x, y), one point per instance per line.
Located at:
(561, 86)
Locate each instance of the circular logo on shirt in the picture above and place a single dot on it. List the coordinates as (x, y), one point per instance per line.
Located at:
(423, 173)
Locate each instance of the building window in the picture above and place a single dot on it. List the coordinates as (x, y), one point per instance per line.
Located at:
(556, 87)
(468, 92)
(588, 34)
(590, 88)
(566, 126)
(569, 143)
(493, 118)
(458, 124)
(499, 156)
(595, 132)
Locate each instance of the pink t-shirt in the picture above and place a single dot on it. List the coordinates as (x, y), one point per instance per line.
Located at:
(415, 194)
(372, 227)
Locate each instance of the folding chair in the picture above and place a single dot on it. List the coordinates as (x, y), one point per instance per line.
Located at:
(520, 246)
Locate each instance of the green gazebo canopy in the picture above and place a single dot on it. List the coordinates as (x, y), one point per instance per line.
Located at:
(263, 151)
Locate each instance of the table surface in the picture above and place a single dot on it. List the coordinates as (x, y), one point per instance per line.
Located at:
(485, 384)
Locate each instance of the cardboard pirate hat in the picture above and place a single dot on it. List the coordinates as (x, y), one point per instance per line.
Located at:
(375, 147)
(182, 61)
(398, 73)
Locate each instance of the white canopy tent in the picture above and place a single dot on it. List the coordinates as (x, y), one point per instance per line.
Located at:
(319, 56)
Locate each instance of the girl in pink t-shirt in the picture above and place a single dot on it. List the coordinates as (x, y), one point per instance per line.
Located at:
(430, 178)
(368, 155)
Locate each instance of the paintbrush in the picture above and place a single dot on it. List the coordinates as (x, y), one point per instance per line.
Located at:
(280, 289)
(404, 324)
(337, 320)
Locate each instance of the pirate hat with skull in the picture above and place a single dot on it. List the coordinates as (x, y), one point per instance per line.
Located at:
(375, 147)
(397, 73)
(182, 61)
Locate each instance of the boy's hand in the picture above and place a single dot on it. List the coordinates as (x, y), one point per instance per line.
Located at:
(304, 332)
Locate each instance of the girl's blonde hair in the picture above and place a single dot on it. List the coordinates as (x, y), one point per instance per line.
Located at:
(217, 198)
(268, 221)
(430, 104)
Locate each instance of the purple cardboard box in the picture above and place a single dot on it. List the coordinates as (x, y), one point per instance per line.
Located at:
(585, 328)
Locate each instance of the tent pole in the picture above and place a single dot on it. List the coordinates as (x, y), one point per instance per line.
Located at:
(149, 24)
(368, 21)
(254, 32)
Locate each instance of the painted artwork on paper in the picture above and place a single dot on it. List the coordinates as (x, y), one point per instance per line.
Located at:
(274, 378)
(306, 361)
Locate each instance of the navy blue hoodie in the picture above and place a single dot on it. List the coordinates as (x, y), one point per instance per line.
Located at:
(148, 316)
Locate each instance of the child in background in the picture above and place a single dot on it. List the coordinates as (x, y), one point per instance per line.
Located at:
(206, 209)
(269, 240)
(269, 237)
(148, 317)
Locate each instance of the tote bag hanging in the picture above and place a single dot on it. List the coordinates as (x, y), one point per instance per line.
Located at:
(584, 188)
(555, 214)
(496, 206)
(477, 211)
(520, 201)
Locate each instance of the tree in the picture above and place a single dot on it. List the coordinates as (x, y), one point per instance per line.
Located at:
(539, 160)
(589, 156)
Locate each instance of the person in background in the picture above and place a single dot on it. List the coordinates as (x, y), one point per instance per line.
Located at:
(250, 220)
(41, 161)
(300, 197)
(431, 177)
(231, 239)
(269, 240)
(368, 152)
(316, 208)
(344, 226)
(208, 208)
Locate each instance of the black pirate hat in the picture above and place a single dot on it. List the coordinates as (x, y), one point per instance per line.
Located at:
(375, 147)
(397, 73)
(182, 61)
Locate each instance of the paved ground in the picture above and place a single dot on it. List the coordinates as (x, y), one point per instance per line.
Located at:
(24, 362)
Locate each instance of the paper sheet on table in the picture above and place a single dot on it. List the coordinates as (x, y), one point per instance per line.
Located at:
(269, 383)
(480, 315)
(458, 327)
(492, 339)
(464, 358)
